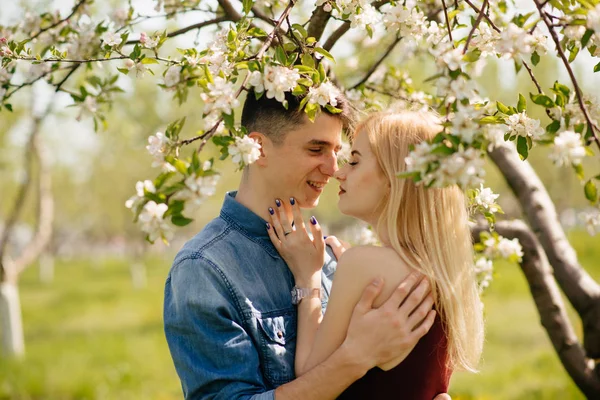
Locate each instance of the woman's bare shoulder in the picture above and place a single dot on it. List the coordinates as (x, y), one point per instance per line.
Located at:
(369, 262)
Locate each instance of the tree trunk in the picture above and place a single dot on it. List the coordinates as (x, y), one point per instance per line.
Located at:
(13, 342)
(550, 306)
(581, 290)
(46, 265)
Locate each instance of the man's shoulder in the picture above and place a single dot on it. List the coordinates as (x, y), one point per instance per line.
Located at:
(199, 247)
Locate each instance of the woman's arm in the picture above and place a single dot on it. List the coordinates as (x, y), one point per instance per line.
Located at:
(356, 269)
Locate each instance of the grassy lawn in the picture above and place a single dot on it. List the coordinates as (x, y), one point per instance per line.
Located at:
(89, 335)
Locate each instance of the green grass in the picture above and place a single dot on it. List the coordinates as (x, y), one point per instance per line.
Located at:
(89, 335)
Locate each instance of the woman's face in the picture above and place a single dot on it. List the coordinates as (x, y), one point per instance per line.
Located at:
(362, 182)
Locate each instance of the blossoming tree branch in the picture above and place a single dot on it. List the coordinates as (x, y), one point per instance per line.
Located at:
(276, 47)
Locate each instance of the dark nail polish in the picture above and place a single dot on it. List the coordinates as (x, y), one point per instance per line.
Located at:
(271, 211)
(268, 225)
(313, 220)
(292, 201)
(278, 202)
(324, 237)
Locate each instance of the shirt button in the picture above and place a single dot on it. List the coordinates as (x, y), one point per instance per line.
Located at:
(279, 334)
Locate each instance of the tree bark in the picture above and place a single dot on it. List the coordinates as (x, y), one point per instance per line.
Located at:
(550, 306)
(13, 342)
(581, 290)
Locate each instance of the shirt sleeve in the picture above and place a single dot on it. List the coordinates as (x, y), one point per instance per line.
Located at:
(213, 354)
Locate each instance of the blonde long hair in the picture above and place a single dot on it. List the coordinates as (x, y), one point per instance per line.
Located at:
(429, 229)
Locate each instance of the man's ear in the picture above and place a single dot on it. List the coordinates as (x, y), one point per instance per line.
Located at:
(266, 147)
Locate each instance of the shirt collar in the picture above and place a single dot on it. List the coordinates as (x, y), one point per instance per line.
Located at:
(247, 222)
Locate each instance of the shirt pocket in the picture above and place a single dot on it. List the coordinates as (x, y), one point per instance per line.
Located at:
(277, 334)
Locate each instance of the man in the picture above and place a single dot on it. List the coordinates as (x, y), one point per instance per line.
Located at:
(229, 317)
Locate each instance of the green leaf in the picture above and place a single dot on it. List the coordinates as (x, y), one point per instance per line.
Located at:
(591, 191)
(560, 88)
(307, 60)
(522, 147)
(280, 55)
(553, 127)
(573, 53)
(542, 100)
(332, 109)
(148, 60)
(586, 37)
(325, 53)
(8, 107)
(247, 5)
(522, 104)
(180, 220)
(257, 32)
(535, 58)
(300, 30)
(578, 171)
(597, 67)
(492, 119)
(502, 108)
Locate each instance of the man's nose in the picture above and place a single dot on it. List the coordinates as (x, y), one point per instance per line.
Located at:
(329, 166)
(339, 174)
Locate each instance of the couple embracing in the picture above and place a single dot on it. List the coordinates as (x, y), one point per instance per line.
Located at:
(252, 309)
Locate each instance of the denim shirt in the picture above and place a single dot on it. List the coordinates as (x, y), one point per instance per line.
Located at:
(228, 313)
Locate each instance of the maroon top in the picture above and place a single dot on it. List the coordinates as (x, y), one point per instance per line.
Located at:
(422, 375)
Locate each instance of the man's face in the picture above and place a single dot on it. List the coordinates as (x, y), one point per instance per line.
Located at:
(302, 165)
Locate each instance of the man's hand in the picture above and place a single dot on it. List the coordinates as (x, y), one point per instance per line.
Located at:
(385, 336)
(337, 245)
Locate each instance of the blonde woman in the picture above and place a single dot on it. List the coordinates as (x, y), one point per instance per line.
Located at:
(423, 230)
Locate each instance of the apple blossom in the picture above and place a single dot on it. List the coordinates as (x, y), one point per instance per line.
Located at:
(244, 151)
(111, 39)
(151, 221)
(486, 198)
(325, 94)
(521, 125)
(568, 149)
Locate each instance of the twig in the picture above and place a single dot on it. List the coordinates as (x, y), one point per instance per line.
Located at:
(448, 22)
(474, 7)
(565, 61)
(181, 31)
(378, 63)
(73, 69)
(475, 25)
(81, 2)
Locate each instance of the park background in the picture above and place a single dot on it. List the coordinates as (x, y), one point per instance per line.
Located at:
(92, 304)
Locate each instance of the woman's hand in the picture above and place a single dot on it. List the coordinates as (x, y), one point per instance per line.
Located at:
(337, 245)
(304, 256)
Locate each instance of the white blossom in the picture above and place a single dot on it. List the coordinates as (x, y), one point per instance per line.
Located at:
(591, 220)
(486, 198)
(159, 146)
(276, 80)
(120, 16)
(368, 16)
(510, 248)
(495, 135)
(515, 41)
(325, 94)
(147, 41)
(244, 151)
(568, 149)
(151, 221)
(111, 38)
(464, 122)
(593, 19)
(465, 168)
(485, 40)
(221, 97)
(521, 125)
(173, 75)
(574, 32)
(129, 64)
(140, 188)
(483, 270)
(410, 23)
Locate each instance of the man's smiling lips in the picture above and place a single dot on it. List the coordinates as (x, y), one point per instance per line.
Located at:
(316, 186)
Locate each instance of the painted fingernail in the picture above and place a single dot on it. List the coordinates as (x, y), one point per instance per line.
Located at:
(278, 202)
(271, 211)
(313, 220)
(268, 225)
(292, 201)
(324, 237)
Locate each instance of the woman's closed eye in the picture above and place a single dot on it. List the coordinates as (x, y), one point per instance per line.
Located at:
(352, 163)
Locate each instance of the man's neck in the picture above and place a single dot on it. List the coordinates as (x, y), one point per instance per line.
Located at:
(257, 197)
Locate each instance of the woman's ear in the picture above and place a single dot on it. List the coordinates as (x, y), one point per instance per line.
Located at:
(265, 147)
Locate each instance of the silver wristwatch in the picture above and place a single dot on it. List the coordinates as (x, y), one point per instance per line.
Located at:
(298, 293)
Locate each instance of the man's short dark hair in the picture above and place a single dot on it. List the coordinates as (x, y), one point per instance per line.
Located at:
(269, 116)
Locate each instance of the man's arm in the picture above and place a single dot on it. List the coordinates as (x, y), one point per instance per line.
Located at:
(213, 354)
(375, 337)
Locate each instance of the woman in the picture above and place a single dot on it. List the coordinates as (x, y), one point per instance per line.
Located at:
(421, 230)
